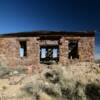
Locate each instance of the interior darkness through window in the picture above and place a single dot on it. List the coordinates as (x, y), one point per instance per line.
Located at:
(49, 54)
(73, 49)
(23, 48)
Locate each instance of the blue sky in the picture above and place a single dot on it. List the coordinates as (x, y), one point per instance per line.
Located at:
(60, 15)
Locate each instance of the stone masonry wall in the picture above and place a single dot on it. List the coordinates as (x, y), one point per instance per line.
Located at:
(85, 49)
(9, 50)
(63, 58)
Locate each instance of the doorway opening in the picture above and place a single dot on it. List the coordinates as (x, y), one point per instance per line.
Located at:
(73, 49)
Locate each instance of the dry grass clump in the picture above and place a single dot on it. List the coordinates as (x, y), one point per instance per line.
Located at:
(6, 72)
(9, 71)
(79, 81)
(66, 82)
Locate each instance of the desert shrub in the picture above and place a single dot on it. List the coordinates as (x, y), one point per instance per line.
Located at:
(28, 88)
(52, 76)
(92, 92)
(66, 92)
(4, 72)
(52, 89)
(22, 95)
(67, 82)
(20, 69)
(32, 89)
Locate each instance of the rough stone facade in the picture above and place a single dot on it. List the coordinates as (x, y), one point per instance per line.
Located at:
(9, 46)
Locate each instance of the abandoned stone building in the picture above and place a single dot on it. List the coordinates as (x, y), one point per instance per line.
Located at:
(46, 47)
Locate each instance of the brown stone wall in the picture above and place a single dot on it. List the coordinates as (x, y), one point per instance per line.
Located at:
(9, 51)
(85, 48)
(63, 48)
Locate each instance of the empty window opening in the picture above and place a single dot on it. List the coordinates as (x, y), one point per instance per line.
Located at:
(49, 54)
(23, 49)
(73, 49)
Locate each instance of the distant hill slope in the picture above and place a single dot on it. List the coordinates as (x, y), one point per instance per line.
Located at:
(97, 61)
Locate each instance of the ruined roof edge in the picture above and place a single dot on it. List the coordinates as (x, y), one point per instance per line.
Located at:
(47, 33)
